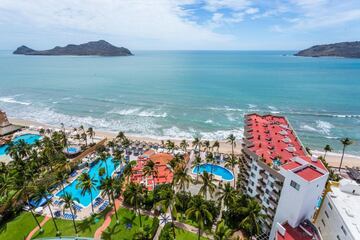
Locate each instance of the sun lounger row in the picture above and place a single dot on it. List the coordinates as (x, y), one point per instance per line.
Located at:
(103, 206)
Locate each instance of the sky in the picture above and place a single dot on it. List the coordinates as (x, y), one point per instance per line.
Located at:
(179, 24)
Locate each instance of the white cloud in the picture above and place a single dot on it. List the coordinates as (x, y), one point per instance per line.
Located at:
(251, 11)
(215, 5)
(157, 20)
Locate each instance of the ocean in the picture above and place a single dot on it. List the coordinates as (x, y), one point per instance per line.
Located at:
(181, 94)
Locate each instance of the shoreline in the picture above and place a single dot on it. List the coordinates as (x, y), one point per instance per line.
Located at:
(332, 158)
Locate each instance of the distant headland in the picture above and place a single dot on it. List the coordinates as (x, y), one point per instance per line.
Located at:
(95, 48)
(343, 49)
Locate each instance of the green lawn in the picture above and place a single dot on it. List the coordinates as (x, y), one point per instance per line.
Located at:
(120, 231)
(185, 235)
(19, 227)
(86, 228)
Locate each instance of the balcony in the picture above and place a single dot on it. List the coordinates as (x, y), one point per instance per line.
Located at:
(260, 190)
(274, 196)
(270, 212)
(278, 184)
(262, 183)
(273, 203)
(263, 174)
(276, 190)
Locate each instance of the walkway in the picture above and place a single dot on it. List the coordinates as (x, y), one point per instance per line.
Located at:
(192, 229)
(107, 221)
(31, 234)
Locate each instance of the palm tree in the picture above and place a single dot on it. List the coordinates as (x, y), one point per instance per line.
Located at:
(207, 185)
(87, 184)
(107, 186)
(111, 145)
(84, 138)
(345, 142)
(150, 169)
(61, 178)
(120, 136)
(42, 192)
(181, 178)
(231, 163)
(216, 145)
(327, 148)
(196, 164)
(198, 210)
(103, 157)
(210, 159)
(222, 232)
(91, 134)
(232, 140)
(170, 146)
(128, 170)
(184, 145)
(206, 145)
(196, 143)
(69, 203)
(168, 201)
(251, 221)
(136, 195)
(226, 194)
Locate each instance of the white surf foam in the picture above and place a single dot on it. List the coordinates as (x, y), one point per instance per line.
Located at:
(13, 100)
(252, 105)
(209, 121)
(272, 108)
(139, 113)
(324, 127)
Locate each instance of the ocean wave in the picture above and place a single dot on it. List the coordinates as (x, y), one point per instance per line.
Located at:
(231, 117)
(209, 121)
(13, 100)
(272, 108)
(226, 108)
(139, 112)
(322, 127)
(252, 105)
(177, 133)
(313, 114)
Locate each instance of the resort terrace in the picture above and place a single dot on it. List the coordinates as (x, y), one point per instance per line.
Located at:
(273, 140)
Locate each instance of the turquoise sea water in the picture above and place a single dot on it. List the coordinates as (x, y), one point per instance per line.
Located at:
(179, 94)
(216, 170)
(85, 199)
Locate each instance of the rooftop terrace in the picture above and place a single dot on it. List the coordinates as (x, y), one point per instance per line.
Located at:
(273, 139)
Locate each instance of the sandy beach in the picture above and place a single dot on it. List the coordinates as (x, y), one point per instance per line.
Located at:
(332, 158)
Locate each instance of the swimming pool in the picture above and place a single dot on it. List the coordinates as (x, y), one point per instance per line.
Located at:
(72, 150)
(220, 171)
(85, 199)
(28, 138)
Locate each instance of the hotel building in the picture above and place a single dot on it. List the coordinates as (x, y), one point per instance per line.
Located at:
(282, 176)
(339, 215)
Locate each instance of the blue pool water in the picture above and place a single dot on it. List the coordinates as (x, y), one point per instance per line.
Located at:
(85, 200)
(220, 171)
(28, 138)
(72, 150)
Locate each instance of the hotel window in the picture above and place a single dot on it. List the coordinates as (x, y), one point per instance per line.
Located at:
(267, 191)
(343, 229)
(327, 215)
(252, 174)
(322, 220)
(295, 185)
(329, 205)
(337, 237)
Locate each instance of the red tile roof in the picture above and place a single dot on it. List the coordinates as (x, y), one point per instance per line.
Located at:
(309, 173)
(272, 138)
(294, 233)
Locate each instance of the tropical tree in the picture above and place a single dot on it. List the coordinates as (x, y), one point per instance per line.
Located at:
(84, 137)
(226, 194)
(91, 133)
(170, 146)
(135, 192)
(69, 203)
(222, 232)
(196, 143)
(107, 186)
(111, 145)
(252, 217)
(168, 201)
(103, 157)
(231, 163)
(41, 192)
(128, 170)
(327, 148)
(196, 164)
(198, 211)
(184, 145)
(216, 145)
(150, 169)
(120, 136)
(182, 178)
(345, 142)
(207, 187)
(86, 184)
(206, 145)
(232, 140)
(61, 177)
(211, 160)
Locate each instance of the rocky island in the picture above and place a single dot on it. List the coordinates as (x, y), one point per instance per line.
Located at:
(95, 48)
(343, 49)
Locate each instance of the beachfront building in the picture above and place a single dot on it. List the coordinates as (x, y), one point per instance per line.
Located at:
(5, 126)
(339, 216)
(282, 176)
